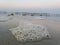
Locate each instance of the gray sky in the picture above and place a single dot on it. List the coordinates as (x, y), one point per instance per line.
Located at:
(29, 4)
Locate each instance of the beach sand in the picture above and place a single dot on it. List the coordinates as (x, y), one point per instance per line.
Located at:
(6, 37)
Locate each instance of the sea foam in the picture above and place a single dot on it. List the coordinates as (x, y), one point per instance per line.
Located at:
(27, 31)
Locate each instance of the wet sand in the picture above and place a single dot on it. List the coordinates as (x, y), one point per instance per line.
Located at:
(6, 37)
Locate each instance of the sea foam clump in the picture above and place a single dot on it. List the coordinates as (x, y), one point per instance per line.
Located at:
(29, 32)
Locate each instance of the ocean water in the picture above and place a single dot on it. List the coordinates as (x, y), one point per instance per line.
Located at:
(53, 18)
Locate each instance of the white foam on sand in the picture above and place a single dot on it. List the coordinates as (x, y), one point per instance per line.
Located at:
(29, 32)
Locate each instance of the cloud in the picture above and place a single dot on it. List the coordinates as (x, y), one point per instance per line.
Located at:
(29, 3)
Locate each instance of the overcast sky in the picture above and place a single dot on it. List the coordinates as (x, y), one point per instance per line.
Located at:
(29, 4)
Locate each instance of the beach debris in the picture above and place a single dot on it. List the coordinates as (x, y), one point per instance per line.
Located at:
(11, 14)
(27, 31)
